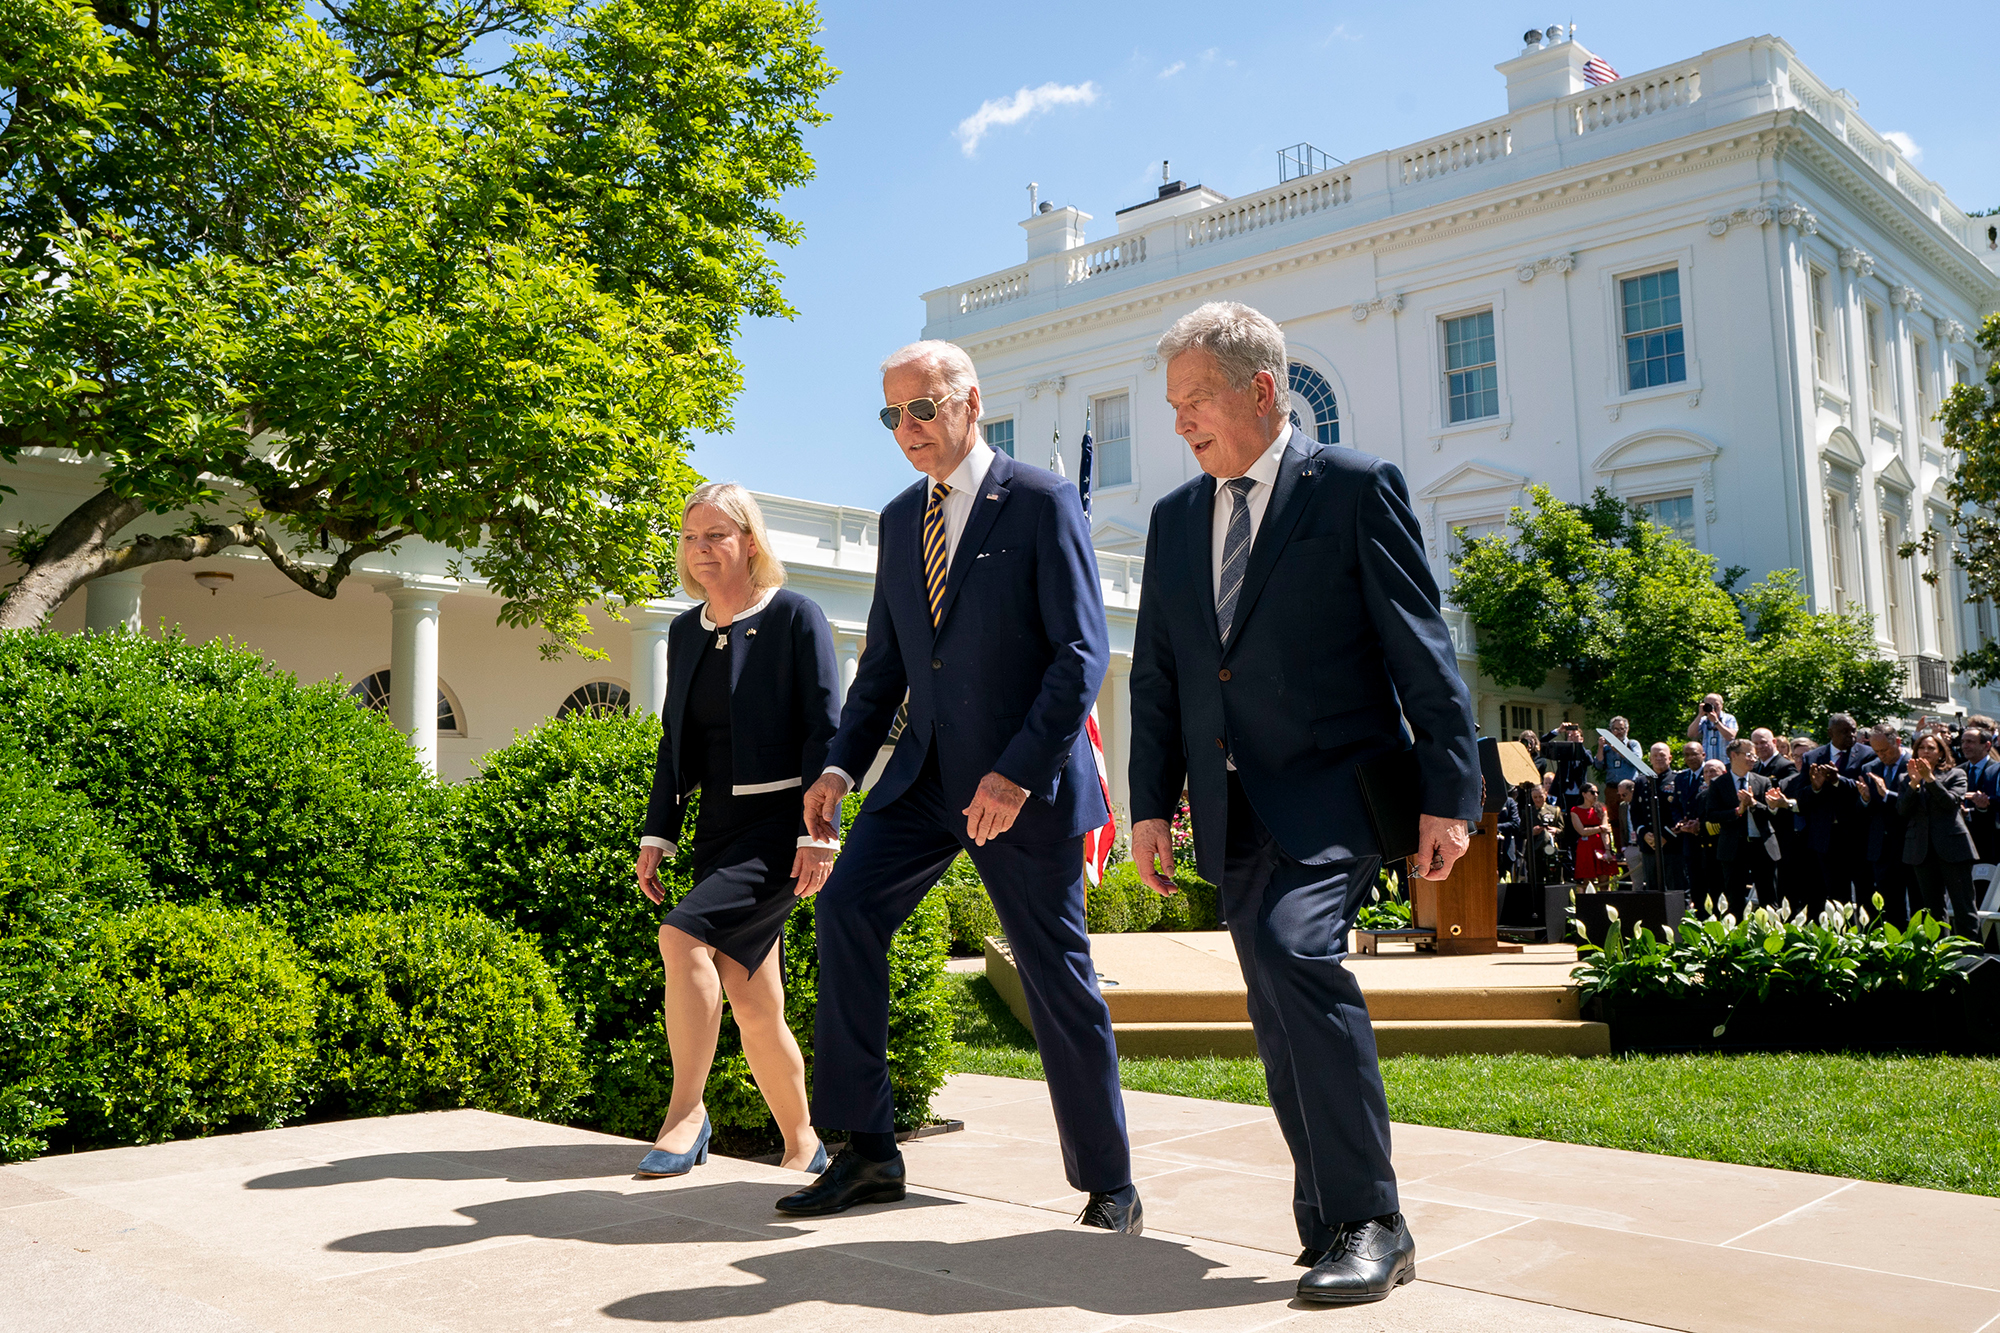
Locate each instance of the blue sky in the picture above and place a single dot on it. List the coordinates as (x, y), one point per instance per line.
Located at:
(900, 206)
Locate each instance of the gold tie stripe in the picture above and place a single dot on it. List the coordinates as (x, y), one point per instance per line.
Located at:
(936, 566)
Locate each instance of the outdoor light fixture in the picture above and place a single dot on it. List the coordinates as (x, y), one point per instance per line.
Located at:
(214, 580)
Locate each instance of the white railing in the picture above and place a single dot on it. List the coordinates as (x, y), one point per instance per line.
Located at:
(1294, 199)
(992, 292)
(1093, 260)
(1634, 99)
(1468, 148)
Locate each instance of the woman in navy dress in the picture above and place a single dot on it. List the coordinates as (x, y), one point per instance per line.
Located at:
(751, 704)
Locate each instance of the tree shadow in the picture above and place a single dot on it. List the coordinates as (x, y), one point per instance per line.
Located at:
(528, 1165)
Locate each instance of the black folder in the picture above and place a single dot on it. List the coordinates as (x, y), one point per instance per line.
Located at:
(1392, 787)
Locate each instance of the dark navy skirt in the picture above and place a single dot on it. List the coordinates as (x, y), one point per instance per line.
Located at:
(742, 891)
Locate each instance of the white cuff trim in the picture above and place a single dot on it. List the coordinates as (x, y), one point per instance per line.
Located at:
(661, 843)
(759, 788)
(830, 844)
(840, 773)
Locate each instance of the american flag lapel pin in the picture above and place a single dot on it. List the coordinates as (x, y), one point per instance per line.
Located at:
(750, 633)
(992, 495)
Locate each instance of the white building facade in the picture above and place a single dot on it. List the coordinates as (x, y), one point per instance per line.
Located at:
(1710, 288)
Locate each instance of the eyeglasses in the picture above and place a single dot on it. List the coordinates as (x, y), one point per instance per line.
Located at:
(923, 409)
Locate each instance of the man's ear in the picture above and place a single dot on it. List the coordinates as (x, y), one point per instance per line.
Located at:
(972, 403)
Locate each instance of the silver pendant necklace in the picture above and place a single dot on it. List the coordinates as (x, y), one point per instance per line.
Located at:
(722, 637)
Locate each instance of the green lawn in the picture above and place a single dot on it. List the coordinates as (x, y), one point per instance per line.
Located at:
(1932, 1121)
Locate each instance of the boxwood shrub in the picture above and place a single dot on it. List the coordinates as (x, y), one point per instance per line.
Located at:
(430, 1010)
(547, 836)
(223, 777)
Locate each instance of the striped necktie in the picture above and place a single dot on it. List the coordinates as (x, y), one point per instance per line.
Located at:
(936, 565)
(1235, 555)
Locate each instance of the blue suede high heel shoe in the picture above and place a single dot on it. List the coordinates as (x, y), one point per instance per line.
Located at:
(660, 1162)
(818, 1162)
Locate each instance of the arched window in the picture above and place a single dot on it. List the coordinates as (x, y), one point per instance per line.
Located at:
(598, 699)
(373, 692)
(1314, 410)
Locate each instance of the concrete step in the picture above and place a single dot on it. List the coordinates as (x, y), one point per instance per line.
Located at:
(1536, 1036)
(1215, 1005)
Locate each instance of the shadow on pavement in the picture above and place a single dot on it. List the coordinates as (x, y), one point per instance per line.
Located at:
(536, 1165)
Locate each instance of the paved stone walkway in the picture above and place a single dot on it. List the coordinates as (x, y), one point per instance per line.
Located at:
(469, 1221)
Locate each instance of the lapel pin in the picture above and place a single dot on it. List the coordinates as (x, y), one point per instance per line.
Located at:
(992, 495)
(750, 633)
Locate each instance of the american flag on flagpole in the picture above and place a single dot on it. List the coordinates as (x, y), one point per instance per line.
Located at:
(1097, 842)
(1596, 72)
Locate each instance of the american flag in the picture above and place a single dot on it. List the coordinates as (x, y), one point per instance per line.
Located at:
(1596, 72)
(1083, 466)
(1097, 842)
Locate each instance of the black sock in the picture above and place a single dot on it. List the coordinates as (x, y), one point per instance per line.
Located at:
(874, 1147)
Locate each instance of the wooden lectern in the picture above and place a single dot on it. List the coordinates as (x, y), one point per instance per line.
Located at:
(1464, 907)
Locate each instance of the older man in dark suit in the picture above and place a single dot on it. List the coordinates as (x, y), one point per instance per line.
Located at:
(1288, 628)
(1834, 820)
(1736, 804)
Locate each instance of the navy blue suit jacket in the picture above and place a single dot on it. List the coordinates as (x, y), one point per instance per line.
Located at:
(1004, 683)
(1338, 639)
(1834, 813)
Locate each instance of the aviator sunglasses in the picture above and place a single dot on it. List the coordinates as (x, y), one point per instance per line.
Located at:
(923, 409)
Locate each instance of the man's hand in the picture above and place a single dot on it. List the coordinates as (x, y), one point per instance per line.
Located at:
(810, 868)
(1153, 840)
(1874, 787)
(1649, 839)
(1774, 798)
(1821, 775)
(1744, 800)
(1440, 842)
(1980, 800)
(993, 808)
(648, 871)
(823, 800)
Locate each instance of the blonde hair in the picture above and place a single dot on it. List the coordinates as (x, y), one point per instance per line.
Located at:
(766, 570)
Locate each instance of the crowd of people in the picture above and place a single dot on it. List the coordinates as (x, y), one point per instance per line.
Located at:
(1732, 818)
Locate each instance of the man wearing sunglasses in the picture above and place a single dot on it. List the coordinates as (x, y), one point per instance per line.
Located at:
(988, 617)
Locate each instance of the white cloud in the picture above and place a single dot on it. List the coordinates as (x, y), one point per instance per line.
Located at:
(1906, 146)
(1173, 69)
(1013, 110)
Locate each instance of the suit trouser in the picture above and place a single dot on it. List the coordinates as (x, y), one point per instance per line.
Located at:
(1939, 879)
(1844, 876)
(1289, 922)
(892, 859)
(1751, 869)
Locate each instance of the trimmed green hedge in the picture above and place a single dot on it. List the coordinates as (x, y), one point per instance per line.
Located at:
(1119, 904)
(429, 1010)
(548, 834)
(222, 777)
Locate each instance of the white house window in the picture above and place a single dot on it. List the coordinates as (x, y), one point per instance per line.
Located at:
(1895, 576)
(1673, 512)
(1960, 372)
(1314, 410)
(1000, 434)
(1920, 359)
(1655, 343)
(1878, 368)
(1837, 548)
(1941, 584)
(1517, 718)
(372, 691)
(1821, 362)
(1471, 369)
(600, 698)
(1112, 440)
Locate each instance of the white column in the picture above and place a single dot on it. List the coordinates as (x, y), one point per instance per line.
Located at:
(649, 657)
(111, 602)
(413, 668)
(1114, 724)
(847, 648)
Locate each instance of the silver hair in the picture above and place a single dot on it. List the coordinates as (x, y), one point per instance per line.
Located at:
(948, 358)
(1886, 731)
(1243, 341)
(766, 569)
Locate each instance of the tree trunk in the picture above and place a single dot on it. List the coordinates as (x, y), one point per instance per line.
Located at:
(80, 549)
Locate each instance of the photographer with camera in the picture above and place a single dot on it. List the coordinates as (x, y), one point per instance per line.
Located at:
(1713, 729)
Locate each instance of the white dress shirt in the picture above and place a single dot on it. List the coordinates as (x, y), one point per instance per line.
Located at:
(965, 481)
(1264, 472)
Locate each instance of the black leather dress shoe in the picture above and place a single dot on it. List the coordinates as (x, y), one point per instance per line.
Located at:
(1308, 1257)
(1106, 1212)
(1366, 1263)
(849, 1179)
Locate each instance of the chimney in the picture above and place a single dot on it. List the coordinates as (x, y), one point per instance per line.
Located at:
(1545, 70)
(1054, 230)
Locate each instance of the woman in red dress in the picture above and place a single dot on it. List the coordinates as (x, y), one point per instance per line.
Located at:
(1594, 863)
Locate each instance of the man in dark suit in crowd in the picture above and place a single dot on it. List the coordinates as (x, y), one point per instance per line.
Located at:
(1878, 785)
(1736, 802)
(1834, 823)
(1982, 779)
(1688, 788)
(1772, 760)
(1288, 629)
(1655, 811)
(989, 619)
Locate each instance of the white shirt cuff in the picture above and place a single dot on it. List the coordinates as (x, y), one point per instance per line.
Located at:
(840, 773)
(661, 843)
(830, 844)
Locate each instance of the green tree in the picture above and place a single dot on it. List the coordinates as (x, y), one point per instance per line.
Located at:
(322, 286)
(1644, 624)
(1971, 421)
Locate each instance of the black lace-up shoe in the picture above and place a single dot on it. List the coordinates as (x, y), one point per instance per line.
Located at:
(1308, 1257)
(1368, 1261)
(1106, 1212)
(848, 1180)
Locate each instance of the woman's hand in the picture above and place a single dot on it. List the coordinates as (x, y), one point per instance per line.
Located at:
(1920, 771)
(810, 868)
(648, 871)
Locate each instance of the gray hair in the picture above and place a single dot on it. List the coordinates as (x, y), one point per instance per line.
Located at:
(1884, 731)
(1243, 341)
(949, 359)
(766, 570)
